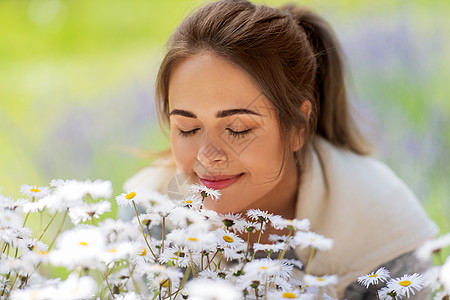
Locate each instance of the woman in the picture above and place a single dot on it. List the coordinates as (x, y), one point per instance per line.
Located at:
(256, 104)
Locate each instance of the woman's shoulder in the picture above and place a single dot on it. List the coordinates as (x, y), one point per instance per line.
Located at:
(364, 173)
(361, 204)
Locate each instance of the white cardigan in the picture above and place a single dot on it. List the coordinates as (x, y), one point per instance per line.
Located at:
(371, 215)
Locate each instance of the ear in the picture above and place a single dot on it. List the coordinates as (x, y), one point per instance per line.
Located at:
(299, 136)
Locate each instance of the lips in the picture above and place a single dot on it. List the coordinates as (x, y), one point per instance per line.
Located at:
(219, 182)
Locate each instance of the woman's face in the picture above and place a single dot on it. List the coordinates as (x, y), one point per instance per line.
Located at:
(225, 135)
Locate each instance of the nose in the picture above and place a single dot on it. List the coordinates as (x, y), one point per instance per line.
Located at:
(211, 154)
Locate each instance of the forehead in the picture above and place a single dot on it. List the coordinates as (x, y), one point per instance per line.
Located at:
(206, 81)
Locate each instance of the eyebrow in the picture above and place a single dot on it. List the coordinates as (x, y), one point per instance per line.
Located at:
(219, 114)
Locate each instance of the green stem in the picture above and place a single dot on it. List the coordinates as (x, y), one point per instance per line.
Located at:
(218, 263)
(59, 230)
(212, 259)
(311, 256)
(108, 285)
(194, 273)
(163, 233)
(183, 281)
(281, 255)
(48, 225)
(142, 230)
(246, 251)
(376, 289)
(259, 239)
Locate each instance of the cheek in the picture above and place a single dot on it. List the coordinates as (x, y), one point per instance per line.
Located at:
(184, 153)
(264, 154)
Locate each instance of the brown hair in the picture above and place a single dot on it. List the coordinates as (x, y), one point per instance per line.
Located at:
(290, 52)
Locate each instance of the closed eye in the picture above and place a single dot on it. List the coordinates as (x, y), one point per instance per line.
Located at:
(188, 133)
(238, 134)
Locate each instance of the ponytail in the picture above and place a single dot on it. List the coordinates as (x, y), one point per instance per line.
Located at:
(334, 121)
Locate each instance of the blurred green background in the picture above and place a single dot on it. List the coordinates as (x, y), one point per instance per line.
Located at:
(77, 84)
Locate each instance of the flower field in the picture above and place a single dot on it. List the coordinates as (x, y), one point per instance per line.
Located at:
(175, 249)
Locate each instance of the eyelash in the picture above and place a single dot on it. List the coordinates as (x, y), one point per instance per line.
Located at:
(238, 134)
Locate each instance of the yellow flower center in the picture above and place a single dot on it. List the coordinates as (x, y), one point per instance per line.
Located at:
(374, 275)
(165, 283)
(193, 239)
(263, 268)
(34, 190)
(189, 201)
(83, 244)
(289, 295)
(130, 195)
(320, 279)
(228, 239)
(112, 250)
(405, 283)
(143, 252)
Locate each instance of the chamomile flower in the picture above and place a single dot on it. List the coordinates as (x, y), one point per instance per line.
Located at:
(10, 203)
(209, 274)
(76, 287)
(116, 252)
(381, 275)
(179, 256)
(442, 295)
(117, 230)
(19, 266)
(290, 294)
(35, 192)
(74, 191)
(88, 211)
(320, 281)
(268, 267)
(128, 296)
(445, 274)
(161, 276)
(259, 215)
(233, 222)
(407, 284)
(293, 262)
(141, 253)
(388, 294)
(208, 289)
(9, 218)
(269, 248)
(78, 247)
(35, 292)
(205, 191)
(148, 220)
(280, 223)
(138, 196)
(183, 217)
(15, 237)
(228, 240)
(313, 240)
(425, 251)
(191, 201)
(195, 240)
